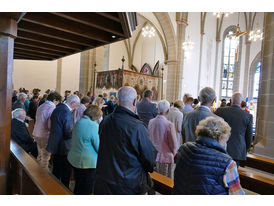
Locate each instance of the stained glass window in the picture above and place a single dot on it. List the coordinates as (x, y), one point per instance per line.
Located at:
(257, 81)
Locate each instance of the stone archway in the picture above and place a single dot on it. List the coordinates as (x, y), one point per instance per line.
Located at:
(252, 71)
(172, 91)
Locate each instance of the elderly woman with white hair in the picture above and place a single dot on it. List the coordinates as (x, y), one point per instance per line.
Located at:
(163, 136)
(19, 103)
(204, 167)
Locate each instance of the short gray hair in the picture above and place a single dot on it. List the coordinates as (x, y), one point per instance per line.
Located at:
(73, 99)
(237, 98)
(163, 106)
(22, 96)
(213, 127)
(17, 113)
(207, 95)
(126, 96)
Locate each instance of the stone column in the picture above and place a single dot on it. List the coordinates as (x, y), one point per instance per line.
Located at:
(171, 84)
(106, 57)
(59, 76)
(8, 32)
(265, 113)
(247, 69)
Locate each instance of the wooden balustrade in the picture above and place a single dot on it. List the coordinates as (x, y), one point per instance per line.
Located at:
(27, 177)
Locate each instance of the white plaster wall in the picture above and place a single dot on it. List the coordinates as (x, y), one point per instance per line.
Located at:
(32, 74)
(116, 52)
(191, 64)
(70, 73)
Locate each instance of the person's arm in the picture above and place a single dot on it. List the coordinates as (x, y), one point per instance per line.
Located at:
(232, 180)
(179, 123)
(95, 141)
(155, 110)
(172, 138)
(146, 150)
(249, 133)
(67, 126)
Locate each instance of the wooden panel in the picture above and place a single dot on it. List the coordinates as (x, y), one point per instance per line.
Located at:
(162, 184)
(93, 20)
(62, 24)
(35, 180)
(54, 33)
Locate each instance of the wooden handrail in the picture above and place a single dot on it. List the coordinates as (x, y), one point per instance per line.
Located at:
(249, 180)
(44, 182)
(261, 163)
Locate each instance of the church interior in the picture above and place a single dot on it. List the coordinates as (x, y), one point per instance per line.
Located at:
(169, 53)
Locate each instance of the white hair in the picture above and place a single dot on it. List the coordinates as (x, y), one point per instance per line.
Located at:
(207, 95)
(17, 113)
(237, 98)
(73, 99)
(22, 96)
(163, 106)
(126, 96)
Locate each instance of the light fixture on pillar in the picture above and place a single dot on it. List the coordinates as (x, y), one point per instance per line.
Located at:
(188, 45)
(256, 34)
(219, 14)
(148, 31)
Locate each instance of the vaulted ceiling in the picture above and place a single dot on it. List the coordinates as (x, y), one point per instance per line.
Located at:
(52, 35)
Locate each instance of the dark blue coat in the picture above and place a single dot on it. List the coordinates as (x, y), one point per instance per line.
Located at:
(200, 168)
(146, 111)
(126, 155)
(60, 130)
(241, 123)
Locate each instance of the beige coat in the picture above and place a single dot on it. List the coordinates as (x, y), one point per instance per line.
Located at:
(176, 117)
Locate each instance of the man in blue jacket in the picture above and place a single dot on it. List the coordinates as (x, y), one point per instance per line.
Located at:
(59, 142)
(126, 154)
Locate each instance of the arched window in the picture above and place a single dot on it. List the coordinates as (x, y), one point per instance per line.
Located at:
(228, 63)
(257, 80)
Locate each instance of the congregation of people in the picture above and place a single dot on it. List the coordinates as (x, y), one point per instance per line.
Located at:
(110, 145)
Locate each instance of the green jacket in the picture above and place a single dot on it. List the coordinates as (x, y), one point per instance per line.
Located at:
(85, 144)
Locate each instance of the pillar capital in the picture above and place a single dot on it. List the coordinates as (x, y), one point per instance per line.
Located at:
(8, 27)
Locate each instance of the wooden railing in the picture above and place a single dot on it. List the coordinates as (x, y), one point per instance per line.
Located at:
(253, 182)
(260, 163)
(27, 177)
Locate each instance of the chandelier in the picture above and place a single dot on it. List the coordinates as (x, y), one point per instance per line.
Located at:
(219, 14)
(188, 45)
(148, 31)
(256, 34)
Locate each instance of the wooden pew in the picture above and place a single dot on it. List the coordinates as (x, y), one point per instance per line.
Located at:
(27, 177)
(253, 182)
(260, 163)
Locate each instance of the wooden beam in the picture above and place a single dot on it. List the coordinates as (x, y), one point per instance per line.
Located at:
(93, 20)
(65, 25)
(125, 24)
(48, 40)
(43, 45)
(35, 53)
(109, 15)
(57, 34)
(19, 57)
(40, 50)
(32, 56)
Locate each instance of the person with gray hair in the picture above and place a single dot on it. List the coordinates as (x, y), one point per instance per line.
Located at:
(126, 154)
(204, 167)
(241, 123)
(20, 133)
(207, 97)
(163, 136)
(59, 142)
(19, 103)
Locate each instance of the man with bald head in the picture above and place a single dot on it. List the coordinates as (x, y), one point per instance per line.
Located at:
(240, 122)
(126, 154)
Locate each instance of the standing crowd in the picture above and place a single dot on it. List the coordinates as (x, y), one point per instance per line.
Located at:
(112, 145)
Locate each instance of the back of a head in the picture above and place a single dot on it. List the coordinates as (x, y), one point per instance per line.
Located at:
(195, 101)
(163, 106)
(93, 112)
(54, 96)
(73, 99)
(126, 96)
(85, 100)
(98, 100)
(22, 96)
(189, 100)
(186, 95)
(243, 104)
(148, 93)
(17, 113)
(237, 98)
(207, 95)
(179, 104)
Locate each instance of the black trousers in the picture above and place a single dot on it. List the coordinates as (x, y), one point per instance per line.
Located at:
(84, 181)
(61, 168)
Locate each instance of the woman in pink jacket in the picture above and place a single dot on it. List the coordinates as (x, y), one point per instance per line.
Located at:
(42, 127)
(163, 136)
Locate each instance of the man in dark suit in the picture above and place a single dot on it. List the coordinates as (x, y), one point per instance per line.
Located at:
(241, 123)
(206, 96)
(146, 109)
(19, 103)
(20, 133)
(59, 142)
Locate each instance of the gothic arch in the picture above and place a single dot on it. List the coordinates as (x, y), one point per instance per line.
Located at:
(253, 68)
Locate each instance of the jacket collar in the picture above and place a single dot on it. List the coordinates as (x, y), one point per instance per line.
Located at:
(236, 106)
(120, 109)
(210, 142)
(204, 108)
